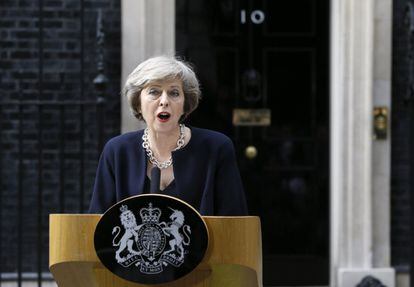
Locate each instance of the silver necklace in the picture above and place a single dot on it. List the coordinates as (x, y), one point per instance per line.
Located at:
(150, 153)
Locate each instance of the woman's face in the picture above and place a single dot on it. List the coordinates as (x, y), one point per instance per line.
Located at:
(162, 105)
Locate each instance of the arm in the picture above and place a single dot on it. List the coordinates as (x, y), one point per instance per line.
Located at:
(103, 195)
(229, 193)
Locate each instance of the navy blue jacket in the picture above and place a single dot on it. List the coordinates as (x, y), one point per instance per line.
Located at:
(205, 172)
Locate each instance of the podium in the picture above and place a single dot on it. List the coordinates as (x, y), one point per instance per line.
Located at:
(233, 257)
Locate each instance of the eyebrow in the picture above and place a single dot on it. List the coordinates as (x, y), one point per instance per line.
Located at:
(159, 86)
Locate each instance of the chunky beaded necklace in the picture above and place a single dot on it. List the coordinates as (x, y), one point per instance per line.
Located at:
(150, 153)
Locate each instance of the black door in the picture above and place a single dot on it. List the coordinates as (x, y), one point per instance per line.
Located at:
(264, 70)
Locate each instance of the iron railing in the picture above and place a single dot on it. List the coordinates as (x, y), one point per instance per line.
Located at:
(46, 115)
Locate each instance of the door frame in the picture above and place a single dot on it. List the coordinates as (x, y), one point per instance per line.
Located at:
(360, 166)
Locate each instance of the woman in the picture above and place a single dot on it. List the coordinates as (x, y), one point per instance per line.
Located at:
(197, 165)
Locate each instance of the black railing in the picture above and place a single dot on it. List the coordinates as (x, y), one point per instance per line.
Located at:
(45, 162)
(39, 156)
(39, 210)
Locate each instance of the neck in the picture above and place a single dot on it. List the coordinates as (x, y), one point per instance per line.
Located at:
(162, 144)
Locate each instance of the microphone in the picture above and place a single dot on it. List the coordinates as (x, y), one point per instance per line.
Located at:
(155, 180)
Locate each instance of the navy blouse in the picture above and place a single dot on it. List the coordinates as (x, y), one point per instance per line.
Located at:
(205, 173)
(168, 190)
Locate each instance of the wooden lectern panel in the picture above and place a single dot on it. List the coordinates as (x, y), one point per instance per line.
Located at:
(233, 258)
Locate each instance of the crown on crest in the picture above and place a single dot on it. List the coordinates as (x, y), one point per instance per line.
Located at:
(150, 214)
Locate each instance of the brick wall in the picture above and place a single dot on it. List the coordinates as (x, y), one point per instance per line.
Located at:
(56, 140)
(400, 165)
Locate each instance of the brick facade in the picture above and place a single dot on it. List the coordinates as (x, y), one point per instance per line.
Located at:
(67, 134)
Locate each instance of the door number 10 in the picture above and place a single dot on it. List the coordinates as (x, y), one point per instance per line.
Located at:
(256, 16)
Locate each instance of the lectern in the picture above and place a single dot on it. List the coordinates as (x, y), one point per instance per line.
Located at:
(233, 257)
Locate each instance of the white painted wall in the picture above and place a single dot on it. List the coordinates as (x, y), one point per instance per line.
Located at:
(381, 149)
(148, 29)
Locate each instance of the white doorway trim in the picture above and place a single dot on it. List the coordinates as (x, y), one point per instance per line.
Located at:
(359, 247)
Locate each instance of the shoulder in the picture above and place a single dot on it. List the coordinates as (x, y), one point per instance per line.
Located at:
(208, 136)
(213, 141)
(124, 141)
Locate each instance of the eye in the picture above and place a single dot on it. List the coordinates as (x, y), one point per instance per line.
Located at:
(153, 92)
(174, 93)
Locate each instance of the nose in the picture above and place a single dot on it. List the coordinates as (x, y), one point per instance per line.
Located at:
(164, 101)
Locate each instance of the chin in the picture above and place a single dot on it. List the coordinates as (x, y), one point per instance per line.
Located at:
(165, 127)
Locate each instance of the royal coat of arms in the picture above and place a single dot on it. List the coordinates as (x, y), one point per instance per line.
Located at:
(150, 244)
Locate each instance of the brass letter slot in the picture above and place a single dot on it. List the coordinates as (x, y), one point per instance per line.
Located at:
(251, 117)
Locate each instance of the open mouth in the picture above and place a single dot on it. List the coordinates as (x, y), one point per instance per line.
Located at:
(164, 116)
